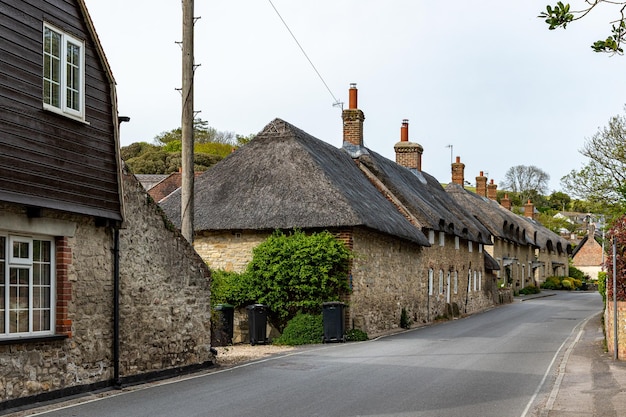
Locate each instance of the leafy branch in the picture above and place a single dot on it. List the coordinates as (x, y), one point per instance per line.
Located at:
(560, 15)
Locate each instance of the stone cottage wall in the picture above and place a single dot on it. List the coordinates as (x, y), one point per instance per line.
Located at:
(30, 368)
(621, 328)
(230, 251)
(165, 291)
(165, 309)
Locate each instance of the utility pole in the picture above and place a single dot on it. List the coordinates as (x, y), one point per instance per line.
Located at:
(187, 199)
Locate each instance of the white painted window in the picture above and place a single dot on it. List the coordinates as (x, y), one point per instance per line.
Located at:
(456, 282)
(480, 280)
(431, 237)
(457, 243)
(430, 281)
(469, 280)
(63, 73)
(470, 246)
(476, 288)
(27, 286)
(442, 239)
(441, 281)
(480, 248)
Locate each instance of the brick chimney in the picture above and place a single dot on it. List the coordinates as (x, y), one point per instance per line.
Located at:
(492, 190)
(481, 185)
(505, 202)
(458, 172)
(408, 154)
(353, 120)
(529, 210)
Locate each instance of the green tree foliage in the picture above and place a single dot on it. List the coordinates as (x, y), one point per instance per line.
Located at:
(555, 224)
(617, 234)
(560, 15)
(603, 179)
(296, 273)
(526, 180)
(559, 201)
(164, 156)
(202, 133)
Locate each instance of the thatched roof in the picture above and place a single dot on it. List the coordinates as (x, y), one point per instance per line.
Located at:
(284, 179)
(501, 222)
(426, 199)
(505, 224)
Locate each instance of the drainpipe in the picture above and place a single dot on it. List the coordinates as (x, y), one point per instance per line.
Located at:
(116, 307)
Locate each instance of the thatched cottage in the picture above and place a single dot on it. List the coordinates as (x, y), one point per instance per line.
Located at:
(409, 254)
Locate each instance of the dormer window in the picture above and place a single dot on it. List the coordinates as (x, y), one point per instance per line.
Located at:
(63, 73)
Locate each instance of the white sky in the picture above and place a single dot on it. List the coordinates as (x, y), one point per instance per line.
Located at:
(486, 76)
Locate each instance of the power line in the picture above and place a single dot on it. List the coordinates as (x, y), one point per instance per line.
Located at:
(336, 102)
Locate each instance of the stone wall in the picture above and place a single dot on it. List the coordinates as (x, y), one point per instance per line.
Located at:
(165, 291)
(621, 328)
(230, 251)
(165, 308)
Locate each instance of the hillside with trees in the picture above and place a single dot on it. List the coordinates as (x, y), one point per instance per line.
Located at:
(164, 155)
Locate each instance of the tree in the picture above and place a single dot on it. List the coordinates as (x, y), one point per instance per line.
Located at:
(559, 201)
(560, 15)
(203, 133)
(617, 234)
(527, 180)
(603, 179)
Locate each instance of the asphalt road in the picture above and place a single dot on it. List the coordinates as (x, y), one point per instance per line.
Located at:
(498, 363)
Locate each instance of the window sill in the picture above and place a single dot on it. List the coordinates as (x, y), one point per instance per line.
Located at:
(55, 110)
(33, 339)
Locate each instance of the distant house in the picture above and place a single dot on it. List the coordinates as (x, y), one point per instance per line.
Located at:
(95, 288)
(413, 249)
(588, 255)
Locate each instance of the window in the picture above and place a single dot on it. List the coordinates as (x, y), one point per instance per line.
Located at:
(431, 237)
(456, 243)
(26, 286)
(469, 280)
(456, 282)
(441, 281)
(63, 73)
(442, 239)
(476, 287)
(470, 246)
(430, 281)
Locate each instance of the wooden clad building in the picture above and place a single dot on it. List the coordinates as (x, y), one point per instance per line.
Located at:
(58, 132)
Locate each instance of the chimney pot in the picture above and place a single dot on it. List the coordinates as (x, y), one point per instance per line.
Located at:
(352, 103)
(404, 131)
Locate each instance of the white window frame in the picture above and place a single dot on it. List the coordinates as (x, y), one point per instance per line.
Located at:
(431, 237)
(442, 239)
(456, 281)
(77, 113)
(9, 262)
(470, 246)
(431, 274)
(469, 280)
(441, 281)
(457, 243)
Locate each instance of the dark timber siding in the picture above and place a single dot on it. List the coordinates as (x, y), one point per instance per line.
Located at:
(46, 159)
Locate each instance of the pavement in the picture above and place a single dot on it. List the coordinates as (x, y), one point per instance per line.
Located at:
(589, 382)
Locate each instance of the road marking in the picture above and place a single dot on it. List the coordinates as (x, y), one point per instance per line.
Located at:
(561, 369)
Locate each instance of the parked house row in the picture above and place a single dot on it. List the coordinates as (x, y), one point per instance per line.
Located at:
(96, 287)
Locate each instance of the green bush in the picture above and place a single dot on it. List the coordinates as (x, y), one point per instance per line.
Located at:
(531, 289)
(602, 285)
(356, 335)
(229, 287)
(297, 273)
(576, 273)
(567, 284)
(303, 329)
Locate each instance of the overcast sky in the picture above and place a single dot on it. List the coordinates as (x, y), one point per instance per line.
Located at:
(485, 76)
